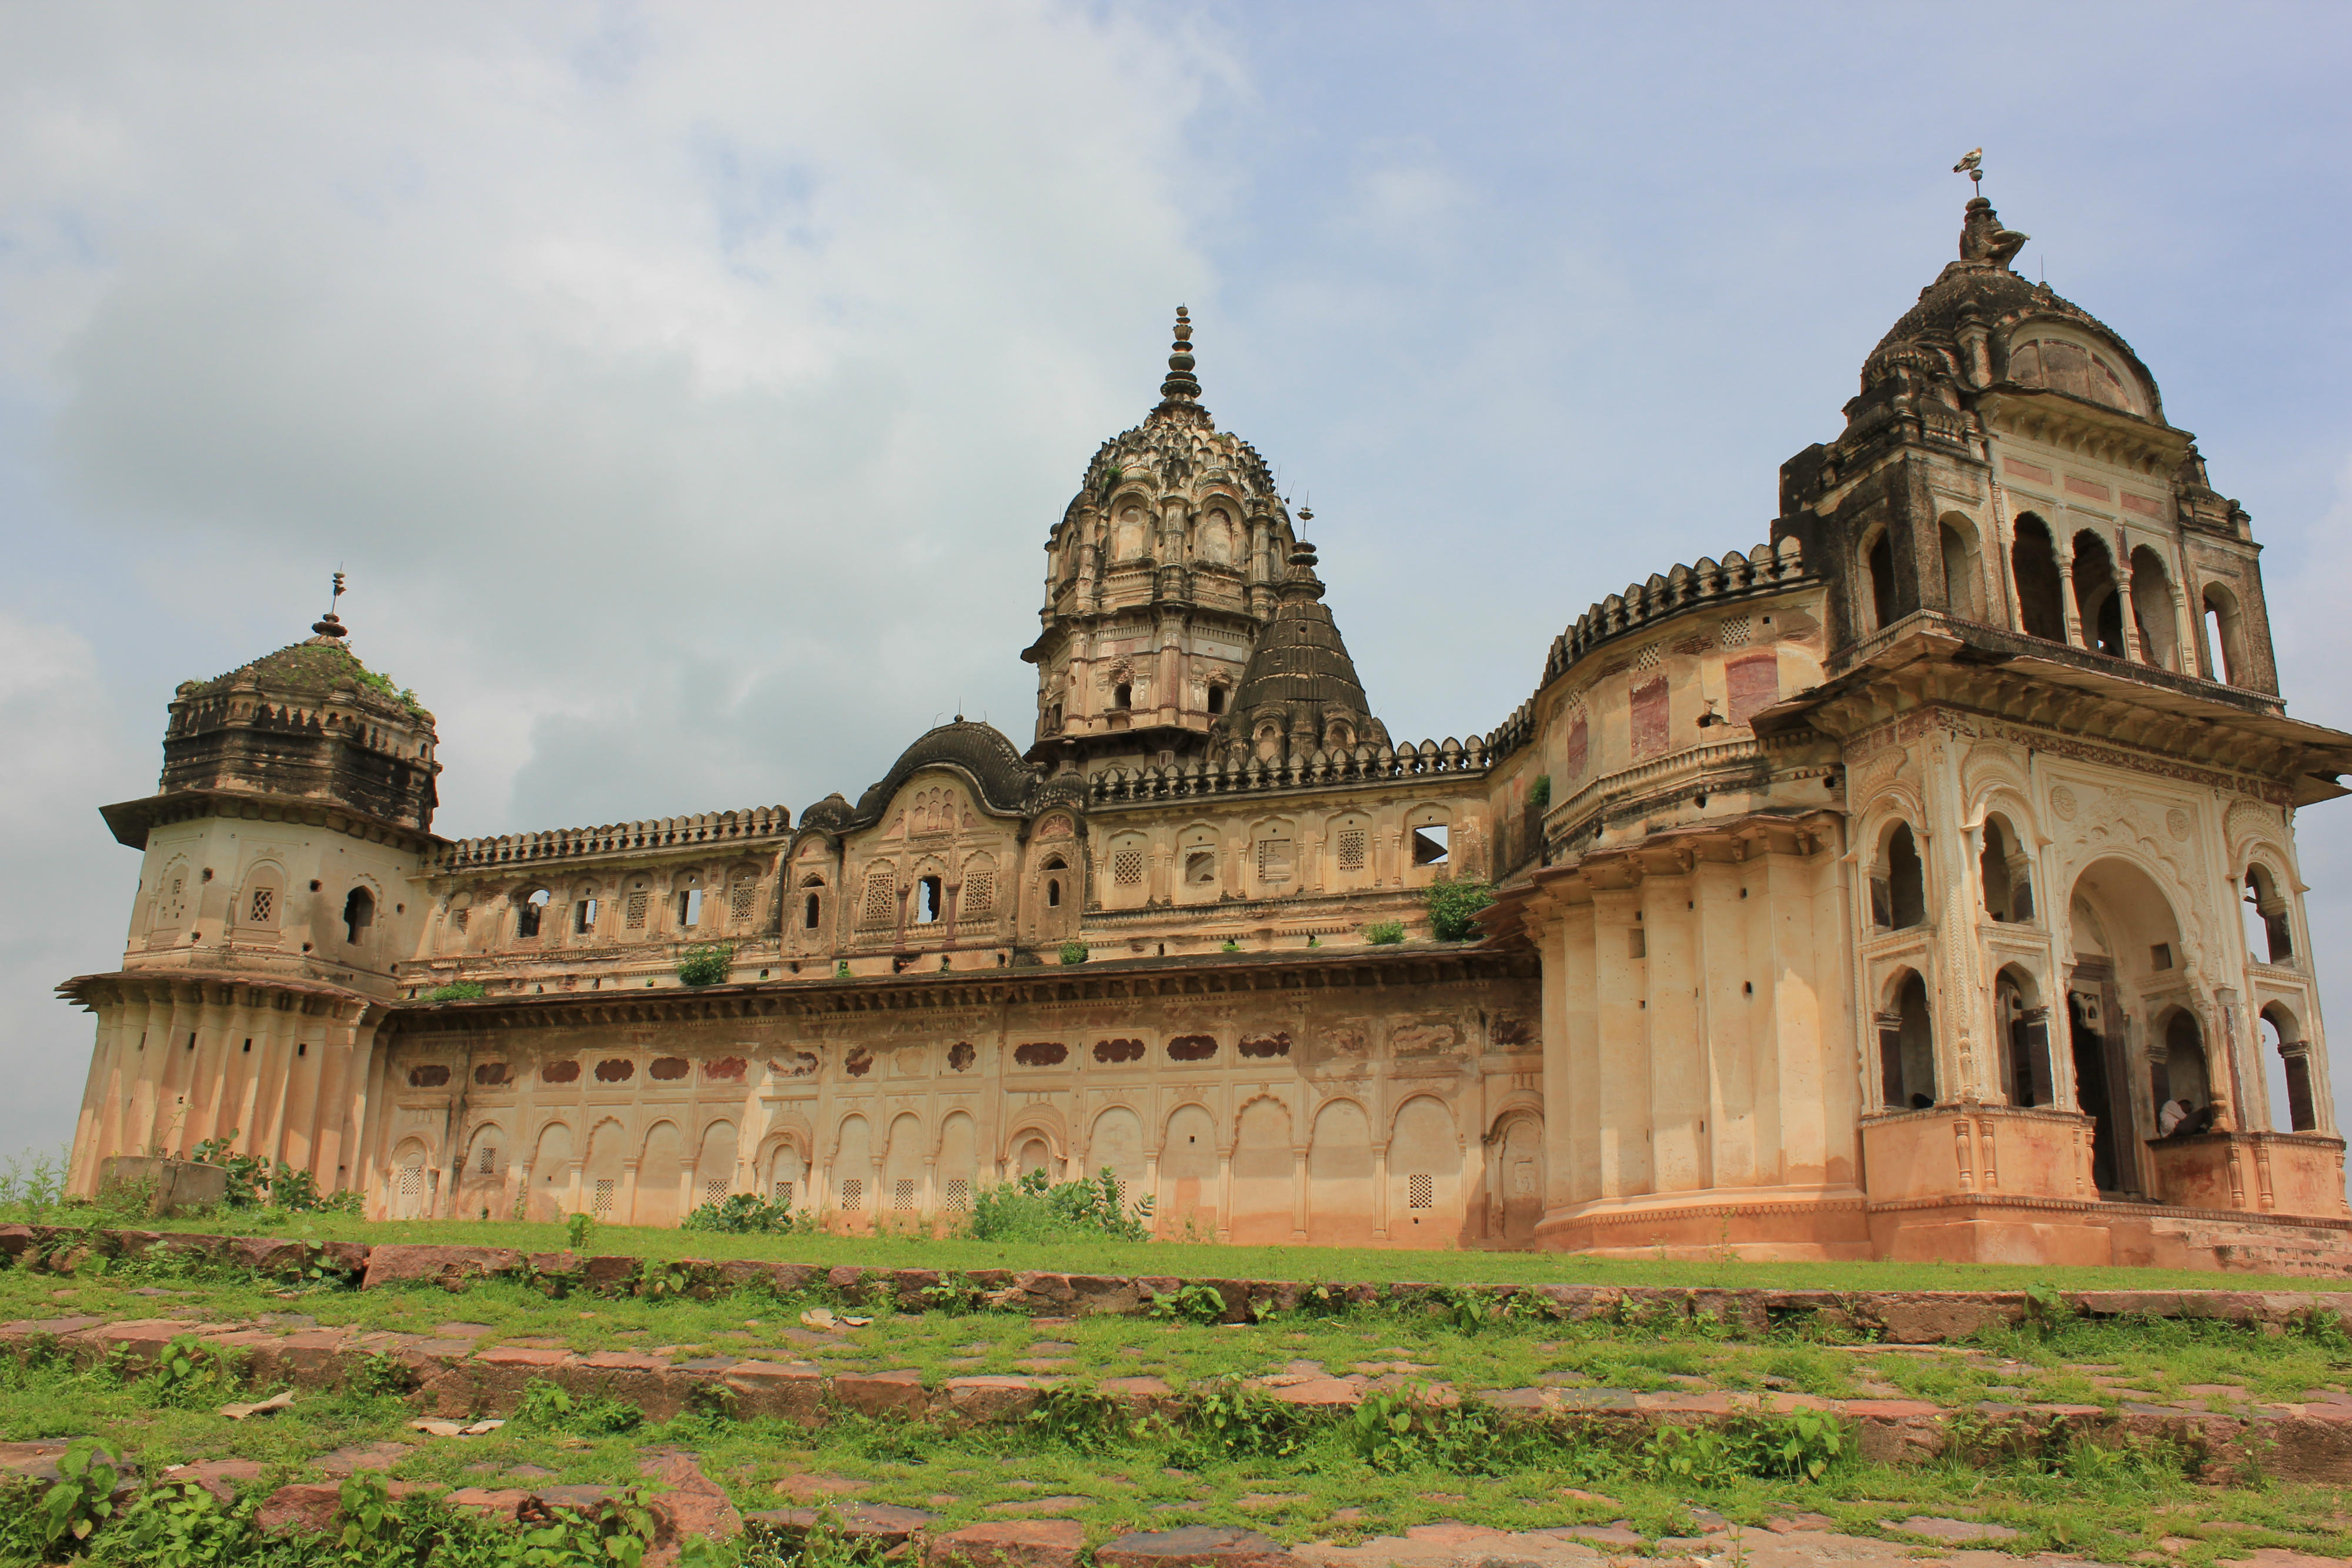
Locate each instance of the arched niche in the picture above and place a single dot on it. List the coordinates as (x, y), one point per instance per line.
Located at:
(2125, 970)
(1907, 1043)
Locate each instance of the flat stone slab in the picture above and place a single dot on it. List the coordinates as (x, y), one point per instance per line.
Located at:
(1013, 1543)
(1936, 1528)
(1194, 1546)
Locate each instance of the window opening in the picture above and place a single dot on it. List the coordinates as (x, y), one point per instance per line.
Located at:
(690, 908)
(1962, 597)
(1122, 696)
(1274, 860)
(2268, 930)
(2033, 562)
(2007, 878)
(640, 902)
(1899, 892)
(783, 1193)
(583, 915)
(714, 1189)
(358, 915)
(1432, 845)
(1882, 582)
(741, 901)
(808, 912)
(606, 1190)
(1906, 1049)
(2289, 1057)
(1200, 868)
(490, 1160)
(532, 910)
(2221, 645)
(264, 900)
(2095, 597)
(2151, 603)
(1054, 893)
(1127, 867)
(1216, 700)
(902, 1195)
(958, 1196)
(927, 896)
(853, 1195)
(2026, 1032)
(1637, 942)
(1352, 848)
(1420, 1190)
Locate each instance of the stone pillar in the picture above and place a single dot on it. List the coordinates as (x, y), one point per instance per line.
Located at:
(1379, 1190)
(1959, 993)
(1625, 1084)
(2063, 550)
(625, 1197)
(1298, 1217)
(1224, 1192)
(1676, 1060)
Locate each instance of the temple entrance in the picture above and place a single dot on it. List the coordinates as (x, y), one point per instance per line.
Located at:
(2128, 976)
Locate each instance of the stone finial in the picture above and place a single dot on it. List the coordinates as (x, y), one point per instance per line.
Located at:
(1181, 392)
(1983, 239)
(327, 625)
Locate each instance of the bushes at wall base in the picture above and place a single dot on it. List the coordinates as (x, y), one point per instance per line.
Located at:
(1074, 952)
(1383, 933)
(456, 991)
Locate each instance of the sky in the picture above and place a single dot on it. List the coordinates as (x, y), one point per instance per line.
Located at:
(688, 390)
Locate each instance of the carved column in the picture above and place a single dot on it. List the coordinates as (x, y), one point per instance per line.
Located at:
(2063, 550)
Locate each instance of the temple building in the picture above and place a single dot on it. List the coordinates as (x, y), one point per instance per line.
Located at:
(1920, 882)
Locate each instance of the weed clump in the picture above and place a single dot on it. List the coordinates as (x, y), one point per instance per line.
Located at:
(1038, 1208)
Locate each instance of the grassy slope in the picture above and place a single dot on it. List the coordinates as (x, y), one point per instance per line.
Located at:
(2109, 1505)
(1196, 1260)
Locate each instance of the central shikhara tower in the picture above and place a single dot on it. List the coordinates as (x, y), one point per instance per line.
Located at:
(1920, 882)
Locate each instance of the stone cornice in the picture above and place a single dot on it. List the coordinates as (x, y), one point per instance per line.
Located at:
(1101, 980)
(131, 821)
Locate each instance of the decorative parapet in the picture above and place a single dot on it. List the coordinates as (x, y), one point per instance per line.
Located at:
(1760, 570)
(707, 828)
(1363, 765)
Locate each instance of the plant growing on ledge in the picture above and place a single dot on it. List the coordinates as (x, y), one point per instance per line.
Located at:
(1074, 952)
(705, 965)
(1539, 792)
(1382, 932)
(456, 991)
(1451, 906)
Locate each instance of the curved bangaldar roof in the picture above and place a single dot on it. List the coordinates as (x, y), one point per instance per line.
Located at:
(2083, 356)
(980, 752)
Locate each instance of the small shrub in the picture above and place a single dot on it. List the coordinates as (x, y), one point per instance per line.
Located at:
(545, 1406)
(1539, 792)
(746, 1214)
(1229, 1419)
(1231, 946)
(186, 1372)
(1038, 1208)
(578, 1231)
(707, 965)
(1452, 906)
(1074, 952)
(1194, 1303)
(383, 1375)
(34, 1184)
(81, 1497)
(1383, 933)
(456, 991)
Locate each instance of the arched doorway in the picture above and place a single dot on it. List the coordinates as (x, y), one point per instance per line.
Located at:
(2126, 975)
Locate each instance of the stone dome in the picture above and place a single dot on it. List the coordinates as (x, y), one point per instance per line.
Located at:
(2029, 335)
(1178, 448)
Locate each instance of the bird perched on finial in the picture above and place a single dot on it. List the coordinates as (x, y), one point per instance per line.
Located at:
(1973, 166)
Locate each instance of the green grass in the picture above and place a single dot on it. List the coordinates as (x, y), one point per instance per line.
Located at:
(2106, 1505)
(1202, 1261)
(1317, 1481)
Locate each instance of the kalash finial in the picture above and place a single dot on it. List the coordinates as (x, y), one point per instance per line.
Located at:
(327, 625)
(1181, 390)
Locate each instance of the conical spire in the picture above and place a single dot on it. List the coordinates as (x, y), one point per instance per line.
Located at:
(1180, 395)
